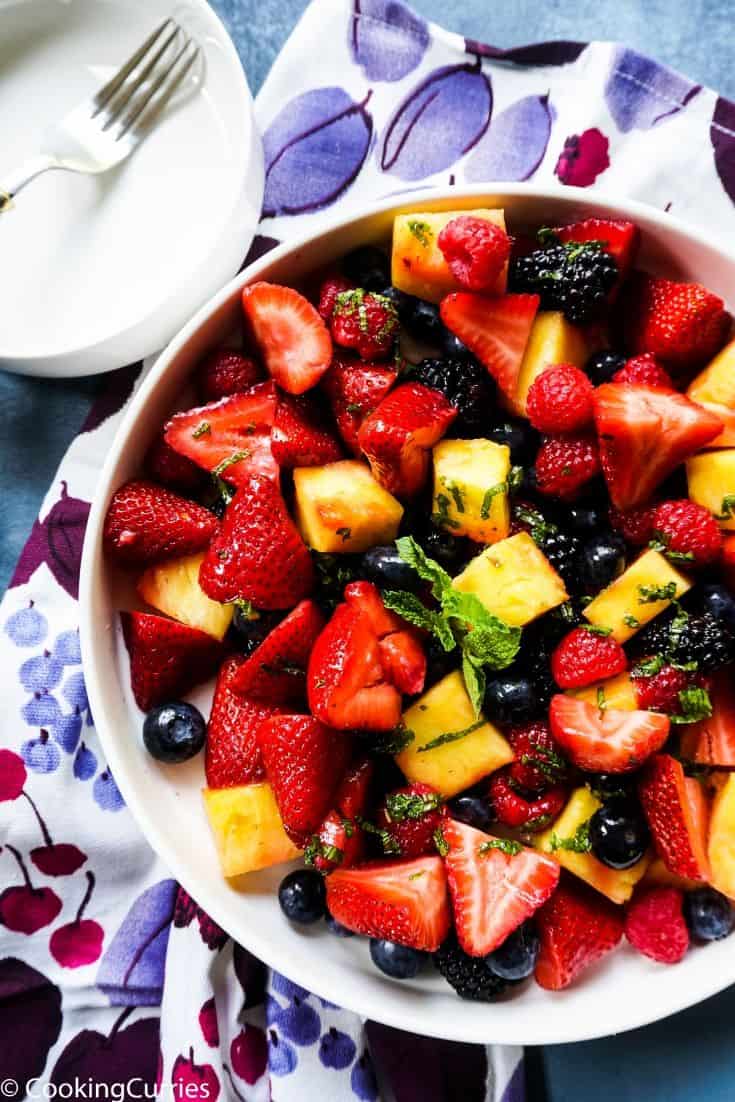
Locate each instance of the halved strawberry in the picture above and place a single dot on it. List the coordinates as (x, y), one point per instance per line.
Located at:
(605, 740)
(677, 812)
(401, 654)
(493, 889)
(618, 237)
(258, 555)
(299, 437)
(577, 927)
(645, 432)
(167, 659)
(352, 795)
(146, 523)
(231, 437)
(339, 843)
(496, 331)
(233, 755)
(403, 901)
(304, 761)
(293, 340)
(712, 740)
(354, 390)
(276, 670)
(398, 436)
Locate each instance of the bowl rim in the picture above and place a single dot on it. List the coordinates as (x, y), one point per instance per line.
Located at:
(297, 967)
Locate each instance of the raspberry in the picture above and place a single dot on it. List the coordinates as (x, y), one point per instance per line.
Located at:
(410, 816)
(475, 250)
(689, 530)
(646, 370)
(660, 691)
(538, 764)
(171, 469)
(635, 525)
(330, 288)
(565, 463)
(655, 926)
(560, 399)
(584, 657)
(226, 372)
(514, 810)
(366, 322)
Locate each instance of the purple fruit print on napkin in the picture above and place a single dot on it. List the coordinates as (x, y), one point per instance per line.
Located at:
(722, 136)
(515, 142)
(125, 1058)
(442, 118)
(640, 93)
(314, 149)
(536, 54)
(131, 972)
(56, 540)
(30, 1021)
(429, 1069)
(583, 158)
(386, 38)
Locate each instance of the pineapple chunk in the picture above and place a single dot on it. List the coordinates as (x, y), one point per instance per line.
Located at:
(456, 765)
(623, 606)
(711, 478)
(173, 587)
(418, 265)
(714, 388)
(341, 508)
(247, 828)
(514, 580)
(471, 488)
(721, 844)
(553, 340)
(618, 692)
(615, 884)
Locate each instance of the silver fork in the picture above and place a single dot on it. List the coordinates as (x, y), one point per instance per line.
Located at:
(103, 130)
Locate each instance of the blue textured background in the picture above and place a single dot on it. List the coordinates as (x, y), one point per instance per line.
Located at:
(686, 1058)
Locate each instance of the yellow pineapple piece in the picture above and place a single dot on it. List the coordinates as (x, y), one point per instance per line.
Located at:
(471, 488)
(657, 875)
(418, 264)
(247, 828)
(721, 843)
(615, 884)
(714, 388)
(456, 764)
(711, 478)
(514, 580)
(618, 692)
(624, 606)
(553, 340)
(341, 508)
(173, 587)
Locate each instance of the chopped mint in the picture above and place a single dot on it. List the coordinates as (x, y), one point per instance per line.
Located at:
(540, 528)
(487, 500)
(660, 543)
(448, 736)
(247, 608)
(345, 533)
(597, 629)
(727, 509)
(393, 742)
(353, 407)
(695, 705)
(601, 702)
(421, 231)
(578, 843)
(647, 594)
(630, 621)
(440, 842)
(202, 429)
(515, 479)
(401, 806)
(457, 495)
(316, 848)
(505, 845)
(416, 875)
(546, 761)
(230, 461)
(390, 845)
(442, 518)
(648, 667)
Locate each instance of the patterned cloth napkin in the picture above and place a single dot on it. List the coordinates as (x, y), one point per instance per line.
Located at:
(109, 972)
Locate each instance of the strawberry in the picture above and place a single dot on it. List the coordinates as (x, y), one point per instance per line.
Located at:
(366, 322)
(231, 437)
(167, 659)
(275, 672)
(354, 390)
(339, 842)
(514, 810)
(577, 927)
(475, 250)
(677, 813)
(495, 885)
(402, 901)
(292, 339)
(146, 523)
(584, 656)
(619, 238)
(659, 692)
(635, 525)
(496, 331)
(564, 464)
(537, 762)
(304, 763)
(258, 555)
(410, 816)
(689, 530)
(225, 372)
(398, 435)
(328, 291)
(560, 400)
(401, 654)
(606, 740)
(646, 370)
(166, 466)
(299, 437)
(712, 740)
(682, 324)
(353, 793)
(233, 755)
(645, 433)
(655, 926)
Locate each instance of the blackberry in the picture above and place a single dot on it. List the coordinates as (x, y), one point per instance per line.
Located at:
(697, 638)
(575, 278)
(465, 384)
(469, 976)
(561, 550)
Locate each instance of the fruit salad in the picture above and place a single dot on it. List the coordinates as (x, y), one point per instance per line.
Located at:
(452, 529)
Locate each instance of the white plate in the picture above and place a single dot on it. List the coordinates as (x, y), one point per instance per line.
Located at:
(626, 990)
(99, 271)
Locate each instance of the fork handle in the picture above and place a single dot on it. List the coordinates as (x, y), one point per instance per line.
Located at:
(23, 175)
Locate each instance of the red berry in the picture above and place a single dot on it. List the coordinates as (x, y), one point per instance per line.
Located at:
(475, 250)
(171, 469)
(634, 524)
(330, 288)
(366, 322)
(560, 400)
(584, 657)
(225, 372)
(655, 926)
(410, 816)
(687, 529)
(683, 324)
(644, 369)
(660, 691)
(514, 810)
(565, 463)
(538, 764)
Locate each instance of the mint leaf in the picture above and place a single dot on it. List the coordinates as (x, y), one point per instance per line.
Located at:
(488, 640)
(450, 736)
(440, 842)
(505, 845)
(426, 568)
(648, 667)
(579, 842)
(401, 806)
(474, 683)
(650, 593)
(695, 705)
(410, 608)
(488, 496)
(727, 508)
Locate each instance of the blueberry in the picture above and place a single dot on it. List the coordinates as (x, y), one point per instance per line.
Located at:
(448, 551)
(720, 603)
(586, 519)
(423, 321)
(708, 914)
(511, 700)
(368, 267)
(302, 896)
(251, 632)
(398, 961)
(174, 732)
(515, 959)
(453, 348)
(439, 662)
(618, 833)
(337, 928)
(601, 559)
(384, 566)
(473, 810)
(602, 366)
(518, 435)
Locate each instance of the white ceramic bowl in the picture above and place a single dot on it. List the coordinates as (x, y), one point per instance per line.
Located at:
(626, 990)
